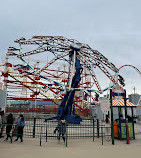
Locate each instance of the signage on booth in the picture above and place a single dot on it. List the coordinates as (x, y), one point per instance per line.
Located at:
(118, 92)
(129, 129)
(105, 105)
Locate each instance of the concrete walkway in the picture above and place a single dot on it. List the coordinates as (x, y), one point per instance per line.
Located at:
(83, 148)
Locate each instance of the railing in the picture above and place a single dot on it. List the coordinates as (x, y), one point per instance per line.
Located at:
(37, 128)
(52, 110)
(47, 110)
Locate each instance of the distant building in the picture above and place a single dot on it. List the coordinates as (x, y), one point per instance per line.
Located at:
(134, 98)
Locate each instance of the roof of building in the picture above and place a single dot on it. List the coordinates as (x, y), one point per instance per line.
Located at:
(120, 102)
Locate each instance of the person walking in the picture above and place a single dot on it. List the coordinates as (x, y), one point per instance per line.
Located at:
(61, 128)
(9, 125)
(108, 128)
(20, 126)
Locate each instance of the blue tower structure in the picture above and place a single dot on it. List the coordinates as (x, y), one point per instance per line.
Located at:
(66, 108)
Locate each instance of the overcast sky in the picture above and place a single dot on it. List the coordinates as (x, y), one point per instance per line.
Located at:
(111, 26)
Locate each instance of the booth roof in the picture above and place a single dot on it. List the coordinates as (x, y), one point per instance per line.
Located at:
(120, 102)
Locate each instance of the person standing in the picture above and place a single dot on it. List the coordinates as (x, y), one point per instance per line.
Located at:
(61, 128)
(3, 123)
(20, 126)
(9, 125)
(108, 128)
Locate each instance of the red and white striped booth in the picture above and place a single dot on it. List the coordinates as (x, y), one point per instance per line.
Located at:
(120, 102)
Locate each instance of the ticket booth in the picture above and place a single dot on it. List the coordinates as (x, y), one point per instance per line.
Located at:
(119, 124)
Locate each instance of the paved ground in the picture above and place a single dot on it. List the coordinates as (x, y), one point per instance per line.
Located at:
(83, 148)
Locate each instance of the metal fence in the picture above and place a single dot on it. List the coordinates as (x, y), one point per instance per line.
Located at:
(87, 128)
(37, 128)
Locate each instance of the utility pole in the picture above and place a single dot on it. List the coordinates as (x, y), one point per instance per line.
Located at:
(134, 89)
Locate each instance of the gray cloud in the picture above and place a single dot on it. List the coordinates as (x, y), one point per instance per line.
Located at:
(112, 27)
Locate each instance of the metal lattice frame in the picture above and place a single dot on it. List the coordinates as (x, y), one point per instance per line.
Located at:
(59, 46)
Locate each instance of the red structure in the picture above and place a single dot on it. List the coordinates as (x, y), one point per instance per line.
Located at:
(42, 69)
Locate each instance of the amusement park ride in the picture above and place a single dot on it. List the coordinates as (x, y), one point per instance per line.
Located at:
(68, 78)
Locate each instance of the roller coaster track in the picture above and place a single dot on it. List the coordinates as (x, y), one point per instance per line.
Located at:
(132, 67)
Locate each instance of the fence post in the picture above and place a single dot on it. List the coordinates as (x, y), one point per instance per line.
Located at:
(133, 123)
(128, 141)
(119, 123)
(34, 127)
(111, 103)
(46, 132)
(40, 137)
(93, 130)
(102, 134)
(97, 128)
(66, 138)
(126, 116)
(58, 138)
